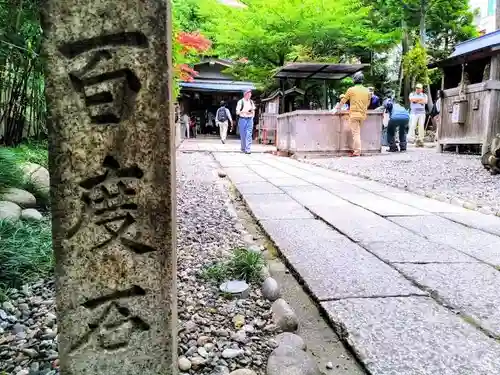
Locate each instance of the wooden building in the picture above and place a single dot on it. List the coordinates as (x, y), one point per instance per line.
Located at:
(211, 86)
(470, 107)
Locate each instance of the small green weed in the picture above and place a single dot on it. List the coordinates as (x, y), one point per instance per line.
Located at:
(243, 264)
(25, 252)
(246, 264)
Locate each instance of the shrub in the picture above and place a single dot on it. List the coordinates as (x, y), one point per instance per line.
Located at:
(11, 174)
(25, 252)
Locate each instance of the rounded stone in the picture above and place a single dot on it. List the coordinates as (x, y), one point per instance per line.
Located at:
(9, 211)
(20, 197)
(38, 175)
(184, 364)
(244, 371)
(237, 288)
(290, 339)
(286, 360)
(470, 206)
(232, 353)
(31, 214)
(197, 362)
(284, 316)
(486, 210)
(270, 289)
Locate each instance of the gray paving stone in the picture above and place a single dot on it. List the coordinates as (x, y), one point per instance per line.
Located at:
(422, 203)
(289, 181)
(243, 174)
(476, 243)
(359, 224)
(415, 249)
(376, 187)
(266, 171)
(331, 265)
(487, 223)
(257, 188)
(380, 205)
(413, 335)
(342, 188)
(275, 206)
(473, 289)
(313, 196)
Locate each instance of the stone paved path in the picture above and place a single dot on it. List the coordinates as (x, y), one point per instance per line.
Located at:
(412, 284)
(213, 144)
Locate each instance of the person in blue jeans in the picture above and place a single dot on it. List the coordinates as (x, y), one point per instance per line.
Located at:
(398, 119)
(245, 109)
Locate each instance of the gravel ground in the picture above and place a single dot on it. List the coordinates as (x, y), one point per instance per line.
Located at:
(216, 335)
(425, 170)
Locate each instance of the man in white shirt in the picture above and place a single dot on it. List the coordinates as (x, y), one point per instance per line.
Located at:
(245, 109)
(222, 120)
(418, 101)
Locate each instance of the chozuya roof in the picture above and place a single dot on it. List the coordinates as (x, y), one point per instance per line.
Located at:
(322, 71)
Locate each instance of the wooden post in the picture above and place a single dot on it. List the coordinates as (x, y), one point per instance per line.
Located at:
(492, 117)
(112, 165)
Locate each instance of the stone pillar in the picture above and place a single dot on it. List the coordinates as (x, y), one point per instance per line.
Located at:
(108, 81)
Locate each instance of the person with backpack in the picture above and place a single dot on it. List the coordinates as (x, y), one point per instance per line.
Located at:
(398, 119)
(245, 109)
(222, 120)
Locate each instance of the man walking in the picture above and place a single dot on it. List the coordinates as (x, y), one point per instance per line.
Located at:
(359, 98)
(222, 120)
(418, 101)
(398, 120)
(245, 109)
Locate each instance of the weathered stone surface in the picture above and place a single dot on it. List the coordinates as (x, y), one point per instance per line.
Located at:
(422, 203)
(287, 360)
(288, 181)
(415, 250)
(9, 211)
(393, 336)
(331, 265)
(359, 224)
(20, 197)
(291, 339)
(382, 206)
(487, 223)
(478, 244)
(314, 196)
(275, 206)
(257, 188)
(108, 86)
(243, 175)
(284, 316)
(471, 289)
(31, 214)
(271, 289)
(38, 176)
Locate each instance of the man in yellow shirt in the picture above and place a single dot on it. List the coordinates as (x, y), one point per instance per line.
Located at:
(359, 98)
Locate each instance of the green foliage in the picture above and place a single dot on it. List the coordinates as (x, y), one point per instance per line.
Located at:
(270, 33)
(25, 252)
(33, 152)
(10, 173)
(242, 265)
(415, 64)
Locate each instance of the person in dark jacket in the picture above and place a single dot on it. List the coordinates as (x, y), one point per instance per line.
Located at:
(398, 120)
(374, 99)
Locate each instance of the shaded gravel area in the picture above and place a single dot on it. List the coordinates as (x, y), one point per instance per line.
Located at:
(216, 335)
(425, 171)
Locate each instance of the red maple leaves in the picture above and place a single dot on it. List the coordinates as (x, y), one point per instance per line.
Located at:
(190, 43)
